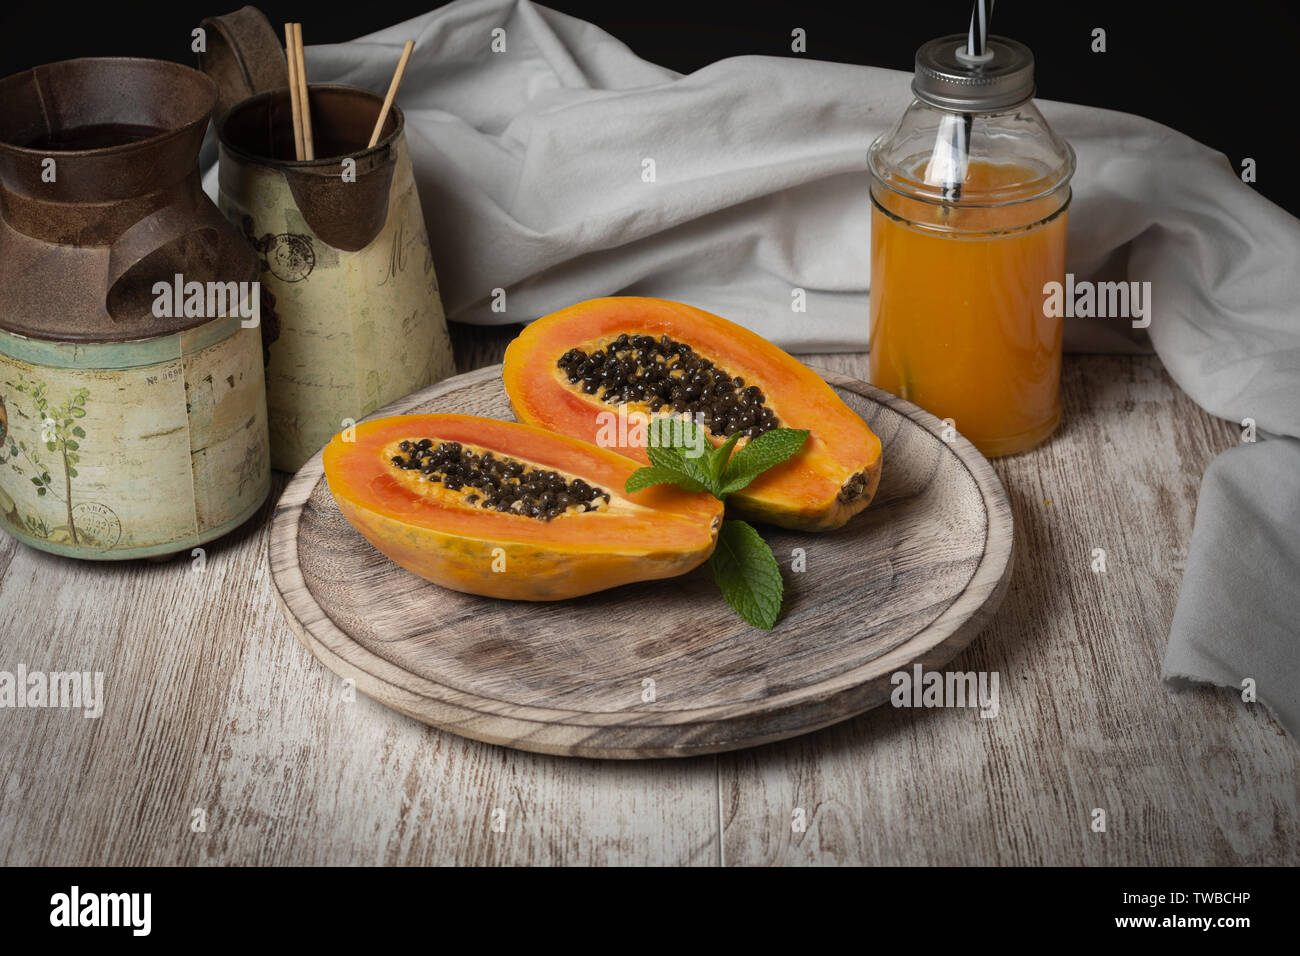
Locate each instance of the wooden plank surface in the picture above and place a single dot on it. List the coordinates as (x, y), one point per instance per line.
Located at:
(213, 705)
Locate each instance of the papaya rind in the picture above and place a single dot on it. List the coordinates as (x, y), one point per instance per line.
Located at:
(820, 517)
(531, 573)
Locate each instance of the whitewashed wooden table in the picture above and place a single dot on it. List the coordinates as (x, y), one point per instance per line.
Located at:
(223, 741)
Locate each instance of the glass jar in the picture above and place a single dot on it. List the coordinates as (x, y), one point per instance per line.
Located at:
(968, 225)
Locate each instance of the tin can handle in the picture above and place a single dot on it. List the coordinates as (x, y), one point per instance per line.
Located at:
(243, 56)
(167, 243)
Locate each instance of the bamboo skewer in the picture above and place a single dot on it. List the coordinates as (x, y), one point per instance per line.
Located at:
(392, 92)
(293, 90)
(304, 98)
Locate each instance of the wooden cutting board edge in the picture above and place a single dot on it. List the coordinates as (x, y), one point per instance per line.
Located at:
(643, 735)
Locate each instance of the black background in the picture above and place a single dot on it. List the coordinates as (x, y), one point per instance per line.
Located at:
(1222, 73)
(251, 909)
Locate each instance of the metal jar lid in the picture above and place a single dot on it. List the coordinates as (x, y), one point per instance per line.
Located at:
(949, 79)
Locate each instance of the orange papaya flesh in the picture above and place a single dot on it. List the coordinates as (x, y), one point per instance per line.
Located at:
(831, 479)
(441, 535)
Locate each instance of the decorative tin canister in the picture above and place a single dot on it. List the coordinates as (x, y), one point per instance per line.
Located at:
(341, 240)
(132, 411)
(345, 255)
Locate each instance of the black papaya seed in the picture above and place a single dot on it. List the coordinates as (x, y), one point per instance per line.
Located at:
(506, 485)
(667, 373)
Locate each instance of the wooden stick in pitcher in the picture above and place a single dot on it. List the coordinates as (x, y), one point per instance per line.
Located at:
(392, 92)
(293, 90)
(304, 100)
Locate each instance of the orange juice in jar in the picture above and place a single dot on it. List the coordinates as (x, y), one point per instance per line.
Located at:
(969, 196)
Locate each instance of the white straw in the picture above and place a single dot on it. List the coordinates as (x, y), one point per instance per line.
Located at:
(956, 135)
(977, 38)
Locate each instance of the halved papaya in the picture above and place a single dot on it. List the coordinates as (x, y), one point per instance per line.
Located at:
(510, 511)
(587, 370)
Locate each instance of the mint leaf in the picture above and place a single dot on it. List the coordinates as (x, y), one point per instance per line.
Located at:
(760, 454)
(645, 477)
(672, 442)
(743, 565)
(719, 457)
(747, 574)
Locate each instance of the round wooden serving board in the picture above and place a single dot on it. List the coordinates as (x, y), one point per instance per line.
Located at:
(666, 668)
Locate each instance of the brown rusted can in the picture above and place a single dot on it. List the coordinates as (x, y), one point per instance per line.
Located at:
(132, 397)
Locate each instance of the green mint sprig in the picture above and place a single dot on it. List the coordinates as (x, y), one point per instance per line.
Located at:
(743, 565)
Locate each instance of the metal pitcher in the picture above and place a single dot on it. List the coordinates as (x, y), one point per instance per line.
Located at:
(132, 413)
(341, 241)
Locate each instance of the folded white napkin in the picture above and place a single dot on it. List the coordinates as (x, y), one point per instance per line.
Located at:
(564, 167)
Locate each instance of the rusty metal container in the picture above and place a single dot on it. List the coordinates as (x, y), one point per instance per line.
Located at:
(132, 415)
(341, 240)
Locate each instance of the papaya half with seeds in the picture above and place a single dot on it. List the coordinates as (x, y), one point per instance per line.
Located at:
(596, 369)
(509, 511)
